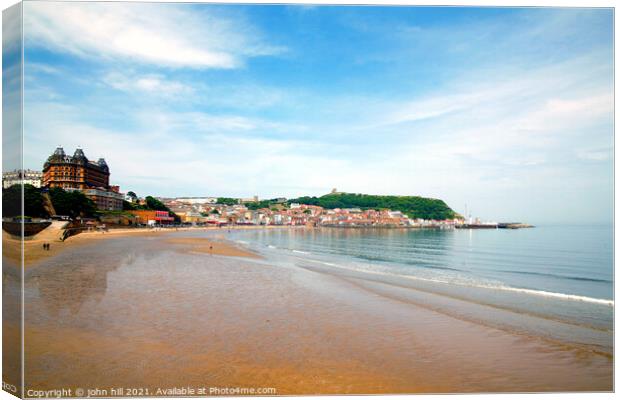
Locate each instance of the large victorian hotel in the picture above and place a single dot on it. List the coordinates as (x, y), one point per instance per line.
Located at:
(79, 173)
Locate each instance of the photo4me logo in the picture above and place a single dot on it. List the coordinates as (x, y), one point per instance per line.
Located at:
(8, 387)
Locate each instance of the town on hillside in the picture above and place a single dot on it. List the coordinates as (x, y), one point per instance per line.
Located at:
(78, 189)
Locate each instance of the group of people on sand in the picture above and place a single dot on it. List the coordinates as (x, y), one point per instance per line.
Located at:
(46, 246)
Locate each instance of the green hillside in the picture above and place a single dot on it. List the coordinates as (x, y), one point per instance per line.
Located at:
(412, 206)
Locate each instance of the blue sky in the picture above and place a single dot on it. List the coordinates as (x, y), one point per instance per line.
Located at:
(507, 110)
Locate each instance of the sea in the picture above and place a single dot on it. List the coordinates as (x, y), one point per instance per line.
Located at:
(554, 281)
(437, 310)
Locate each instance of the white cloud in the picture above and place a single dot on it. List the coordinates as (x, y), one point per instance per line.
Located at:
(161, 34)
(153, 84)
(40, 68)
(512, 141)
(11, 29)
(598, 154)
(501, 135)
(507, 141)
(197, 124)
(163, 158)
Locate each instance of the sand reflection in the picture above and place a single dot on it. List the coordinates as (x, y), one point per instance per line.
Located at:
(143, 312)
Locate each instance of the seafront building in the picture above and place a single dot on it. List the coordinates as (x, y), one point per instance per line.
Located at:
(75, 172)
(79, 173)
(282, 214)
(105, 199)
(16, 177)
(152, 217)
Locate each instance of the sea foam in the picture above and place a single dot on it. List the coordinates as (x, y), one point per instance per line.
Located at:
(542, 293)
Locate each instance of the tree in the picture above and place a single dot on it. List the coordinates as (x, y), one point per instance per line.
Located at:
(133, 196)
(257, 205)
(12, 201)
(412, 206)
(153, 204)
(227, 201)
(128, 206)
(33, 202)
(72, 203)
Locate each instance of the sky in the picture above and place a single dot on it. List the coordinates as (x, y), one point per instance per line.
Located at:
(504, 112)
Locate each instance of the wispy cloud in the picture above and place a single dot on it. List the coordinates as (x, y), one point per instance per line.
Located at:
(161, 34)
(214, 156)
(511, 115)
(11, 29)
(11, 88)
(596, 154)
(151, 84)
(135, 83)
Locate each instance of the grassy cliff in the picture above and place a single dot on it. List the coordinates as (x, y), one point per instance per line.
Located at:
(413, 206)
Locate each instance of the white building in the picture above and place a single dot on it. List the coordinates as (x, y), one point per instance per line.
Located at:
(28, 177)
(197, 200)
(248, 200)
(105, 199)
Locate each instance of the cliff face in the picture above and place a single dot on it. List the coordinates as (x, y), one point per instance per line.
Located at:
(412, 206)
(47, 204)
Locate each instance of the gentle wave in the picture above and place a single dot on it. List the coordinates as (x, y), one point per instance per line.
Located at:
(574, 278)
(300, 252)
(555, 295)
(432, 266)
(421, 263)
(541, 293)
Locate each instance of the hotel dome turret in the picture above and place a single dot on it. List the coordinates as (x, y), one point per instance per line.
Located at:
(101, 162)
(79, 157)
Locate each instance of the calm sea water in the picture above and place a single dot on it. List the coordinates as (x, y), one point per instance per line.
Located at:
(549, 273)
(322, 303)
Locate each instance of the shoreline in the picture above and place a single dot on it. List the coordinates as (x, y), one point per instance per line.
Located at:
(34, 253)
(148, 316)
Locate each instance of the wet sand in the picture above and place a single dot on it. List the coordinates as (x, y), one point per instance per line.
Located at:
(218, 247)
(33, 249)
(152, 312)
(34, 252)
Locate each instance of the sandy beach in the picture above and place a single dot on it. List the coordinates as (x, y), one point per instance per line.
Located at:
(34, 251)
(157, 311)
(216, 246)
